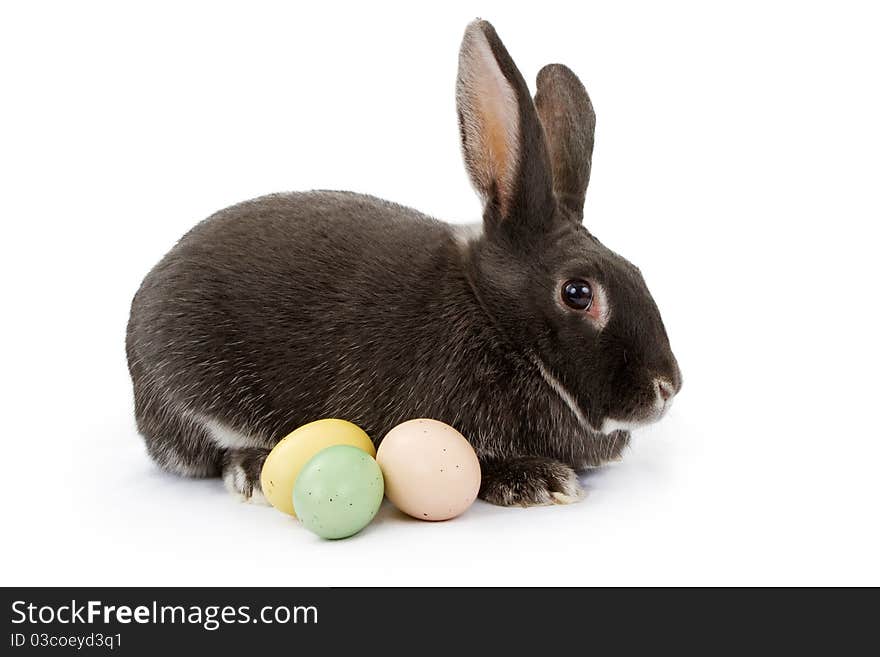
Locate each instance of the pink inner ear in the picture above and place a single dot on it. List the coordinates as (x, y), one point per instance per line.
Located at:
(491, 119)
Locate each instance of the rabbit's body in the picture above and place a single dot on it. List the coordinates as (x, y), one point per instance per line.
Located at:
(539, 344)
(285, 311)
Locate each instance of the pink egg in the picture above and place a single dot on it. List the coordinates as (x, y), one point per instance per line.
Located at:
(431, 471)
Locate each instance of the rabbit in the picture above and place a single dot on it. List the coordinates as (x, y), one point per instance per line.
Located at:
(525, 333)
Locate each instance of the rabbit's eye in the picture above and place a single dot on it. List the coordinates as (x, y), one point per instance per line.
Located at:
(577, 294)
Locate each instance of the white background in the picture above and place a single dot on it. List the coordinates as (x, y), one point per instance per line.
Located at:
(736, 163)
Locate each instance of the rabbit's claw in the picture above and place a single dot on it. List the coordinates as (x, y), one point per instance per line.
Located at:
(241, 473)
(529, 481)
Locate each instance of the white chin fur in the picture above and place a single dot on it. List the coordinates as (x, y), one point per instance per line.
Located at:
(610, 424)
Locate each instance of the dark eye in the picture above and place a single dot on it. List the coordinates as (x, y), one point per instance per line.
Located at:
(577, 294)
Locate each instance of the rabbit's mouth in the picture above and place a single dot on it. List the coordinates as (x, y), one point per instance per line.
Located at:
(664, 394)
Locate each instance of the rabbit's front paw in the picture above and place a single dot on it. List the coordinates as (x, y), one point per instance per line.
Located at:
(528, 481)
(241, 473)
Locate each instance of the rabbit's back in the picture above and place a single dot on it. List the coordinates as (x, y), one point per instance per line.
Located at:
(290, 307)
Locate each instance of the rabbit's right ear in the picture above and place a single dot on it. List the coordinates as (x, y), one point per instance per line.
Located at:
(501, 135)
(569, 124)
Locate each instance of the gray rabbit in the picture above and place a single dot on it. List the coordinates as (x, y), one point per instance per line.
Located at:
(542, 346)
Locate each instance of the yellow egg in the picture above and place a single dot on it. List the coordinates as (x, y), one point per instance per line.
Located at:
(288, 457)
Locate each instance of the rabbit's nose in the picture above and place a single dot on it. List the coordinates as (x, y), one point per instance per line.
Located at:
(665, 389)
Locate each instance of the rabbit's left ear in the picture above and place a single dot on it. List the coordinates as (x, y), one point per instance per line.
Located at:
(569, 124)
(501, 136)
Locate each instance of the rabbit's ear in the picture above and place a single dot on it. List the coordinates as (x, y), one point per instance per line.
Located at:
(569, 124)
(501, 136)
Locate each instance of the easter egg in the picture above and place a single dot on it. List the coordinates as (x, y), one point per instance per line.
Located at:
(338, 491)
(287, 458)
(431, 471)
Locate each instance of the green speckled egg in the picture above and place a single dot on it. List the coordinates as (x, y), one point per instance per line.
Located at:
(338, 491)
